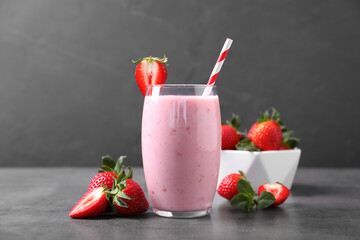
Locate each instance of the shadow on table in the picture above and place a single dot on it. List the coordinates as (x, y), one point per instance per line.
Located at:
(106, 216)
(226, 211)
(310, 190)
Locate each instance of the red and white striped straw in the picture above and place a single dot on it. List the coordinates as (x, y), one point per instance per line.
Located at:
(220, 61)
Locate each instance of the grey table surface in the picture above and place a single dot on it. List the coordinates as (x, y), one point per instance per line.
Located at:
(35, 202)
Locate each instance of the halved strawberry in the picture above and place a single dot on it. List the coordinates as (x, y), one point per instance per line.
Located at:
(91, 204)
(279, 191)
(150, 71)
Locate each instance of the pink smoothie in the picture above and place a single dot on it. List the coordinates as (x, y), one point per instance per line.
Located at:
(181, 141)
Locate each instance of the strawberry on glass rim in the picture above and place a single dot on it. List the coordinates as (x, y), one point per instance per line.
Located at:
(150, 71)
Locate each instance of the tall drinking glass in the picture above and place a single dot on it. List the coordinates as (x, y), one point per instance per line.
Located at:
(181, 142)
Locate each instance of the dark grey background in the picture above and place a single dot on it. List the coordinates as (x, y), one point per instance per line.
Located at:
(68, 93)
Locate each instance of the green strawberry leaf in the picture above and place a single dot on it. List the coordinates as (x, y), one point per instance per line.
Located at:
(242, 174)
(245, 198)
(120, 194)
(130, 174)
(114, 209)
(108, 161)
(265, 199)
(264, 116)
(244, 187)
(275, 115)
(235, 122)
(114, 191)
(246, 144)
(120, 176)
(105, 169)
(118, 165)
(242, 201)
(289, 141)
(286, 134)
(120, 202)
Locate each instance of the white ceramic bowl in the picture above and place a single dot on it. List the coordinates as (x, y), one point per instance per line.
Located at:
(261, 167)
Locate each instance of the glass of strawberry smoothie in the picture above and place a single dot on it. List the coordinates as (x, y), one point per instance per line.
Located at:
(181, 141)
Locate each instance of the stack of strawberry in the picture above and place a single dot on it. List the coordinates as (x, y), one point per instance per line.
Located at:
(112, 186)
(267, 133)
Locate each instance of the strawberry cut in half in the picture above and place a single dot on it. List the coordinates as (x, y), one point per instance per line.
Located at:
(150, 71)
(91, 204)
(279, 191)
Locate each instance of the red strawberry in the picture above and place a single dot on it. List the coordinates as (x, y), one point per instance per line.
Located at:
(251, 129)
(229, 137)
(91, 204)
(126, 196)
(267, 135)
(108, 171)
(103, 178)
(150, 71)
(279, 191)
(283, 147)
(227, 187)
(137, 202)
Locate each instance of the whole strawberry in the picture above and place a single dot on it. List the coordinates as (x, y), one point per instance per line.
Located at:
(228, 186)
(136, 201)
(229, 137)
(266, 133)
(107, 173)
(126, 196)
(249, 134)
(230, 133)
(150, 71)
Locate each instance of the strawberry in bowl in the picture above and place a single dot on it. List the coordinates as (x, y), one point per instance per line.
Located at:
(267, 153)
(230, 133)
